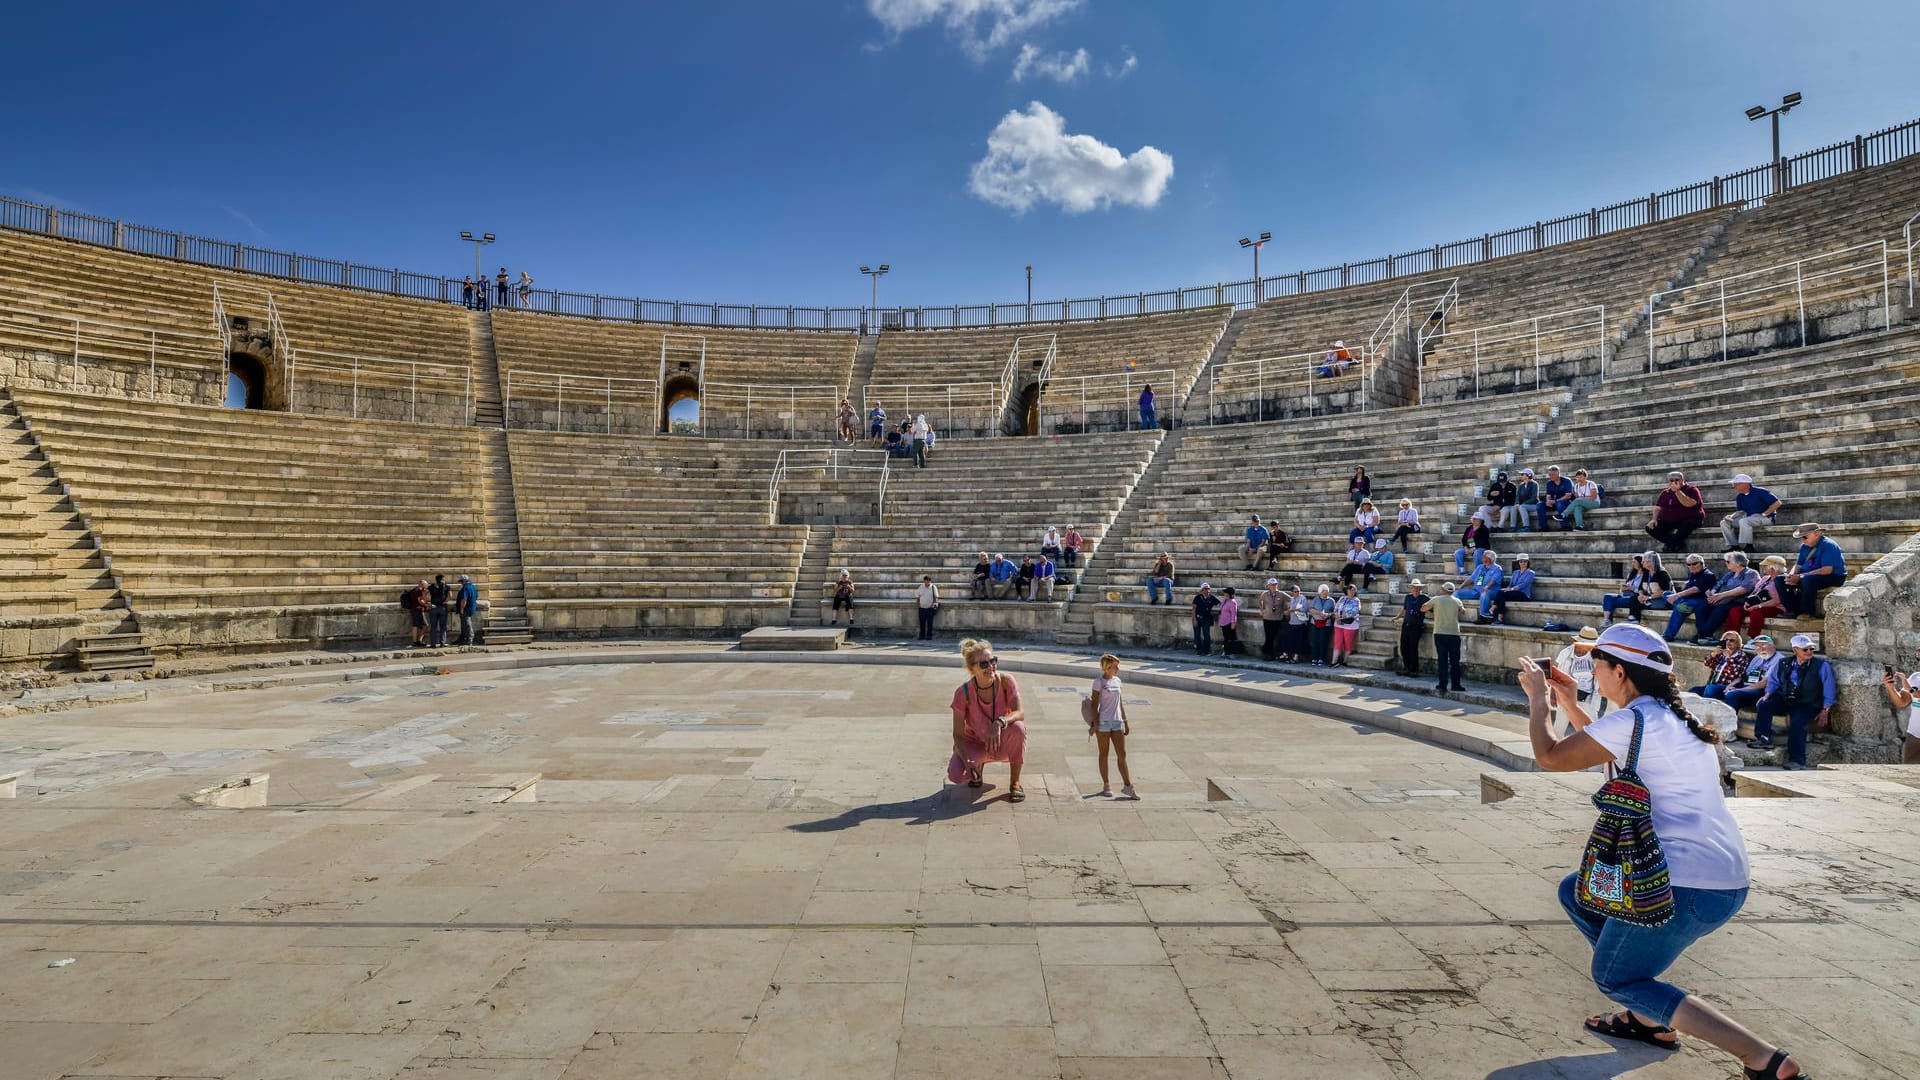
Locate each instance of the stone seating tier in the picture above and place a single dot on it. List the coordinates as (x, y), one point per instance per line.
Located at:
(531, 342)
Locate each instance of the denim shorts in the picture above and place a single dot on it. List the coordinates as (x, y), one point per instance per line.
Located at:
(1627, 959)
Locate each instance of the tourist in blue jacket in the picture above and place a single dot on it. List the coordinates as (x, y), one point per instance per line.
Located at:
(1819, 566)
(1802, 687)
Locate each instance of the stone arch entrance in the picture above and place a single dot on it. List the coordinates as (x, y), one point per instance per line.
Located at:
(680, 405)
(1023, 411)
(248, 386)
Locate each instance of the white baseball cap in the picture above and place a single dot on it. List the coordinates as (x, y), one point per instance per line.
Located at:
(1801, 641)
(1741, 478)
(1635, 644)
(1273, 581)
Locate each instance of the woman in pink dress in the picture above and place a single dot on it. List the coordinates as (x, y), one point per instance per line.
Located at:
(988, 723)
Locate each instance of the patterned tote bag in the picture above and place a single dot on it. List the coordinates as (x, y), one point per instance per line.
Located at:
(1623, 874)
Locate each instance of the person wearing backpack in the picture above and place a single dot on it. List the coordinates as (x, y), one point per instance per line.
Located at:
(1642, 910)
(437, 595)
(414, 603)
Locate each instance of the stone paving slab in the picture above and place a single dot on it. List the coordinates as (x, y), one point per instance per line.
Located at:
(747, 871)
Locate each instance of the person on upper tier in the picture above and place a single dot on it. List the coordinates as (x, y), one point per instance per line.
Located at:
(1409, 523)
(1255, 545)
(1023, 579)
(1502, 495)
(1519, 587)
(1819, 566)
(1690, 598)
(1382, 561)
(1678, 510)
(849, 420)
(1586, 496)
(1476, 538)
(1729, 592)
(1050, 543)
(1160, 579)
(1000, 578)
(1751, 506)
(1556, 494)
(1366, 522)
(876, 423)
(1278, 542)
(1041, 587)
(1070, 546)
(1148, 421)
(1526, 500)
(1677, 760)
(1360, 487)
(1359, 561)
(919, 433)
(1803, 688)
(982, 575)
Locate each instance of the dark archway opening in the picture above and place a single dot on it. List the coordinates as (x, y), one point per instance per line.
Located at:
(1024, 417)
(246, 382)
(680, 406)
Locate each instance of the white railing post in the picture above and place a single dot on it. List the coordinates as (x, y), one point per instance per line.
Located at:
(153, 376)
(609, 406)
(1800, 295)
(560, 403)
(1536, 353)
(355, 404)
(1886, 288)
(413, 393)
(1650, 333)
(1603, 345)
(1476, 363)
(1723, 319)
(792, 411)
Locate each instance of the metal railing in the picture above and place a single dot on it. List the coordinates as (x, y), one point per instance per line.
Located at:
(115, 346)
(385, 380)
(790, 412)
(830, 463)
(1755, 183)
(1108, 402)
(1564, 340)
(970, 409)
(1783, 291)
(1020, 353)
(1272, 382)
(592, 395)
(1906, 234)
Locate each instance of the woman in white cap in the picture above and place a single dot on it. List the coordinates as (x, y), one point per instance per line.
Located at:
(843, 590)
(1706, 856)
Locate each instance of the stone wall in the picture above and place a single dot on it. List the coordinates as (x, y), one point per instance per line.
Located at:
(335, 394)
(222, 630)
(42, 640)
(1872, 621)
(630, 617)
(37, 369)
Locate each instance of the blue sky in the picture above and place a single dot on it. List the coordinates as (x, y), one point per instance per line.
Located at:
(760, 152)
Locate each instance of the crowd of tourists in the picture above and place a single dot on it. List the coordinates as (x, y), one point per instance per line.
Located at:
(431, 608)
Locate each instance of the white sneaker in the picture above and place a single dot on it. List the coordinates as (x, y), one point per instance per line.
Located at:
(1107, 791)
(1129, 792)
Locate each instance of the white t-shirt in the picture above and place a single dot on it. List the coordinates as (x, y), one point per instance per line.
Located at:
(1701, 840)
(1109, 710)
(1913, 711)
(927, 595)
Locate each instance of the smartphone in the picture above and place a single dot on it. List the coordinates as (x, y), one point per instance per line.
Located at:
(1889, 668)
(1545, 662)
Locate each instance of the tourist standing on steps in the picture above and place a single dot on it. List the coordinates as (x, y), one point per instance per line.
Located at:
(1273, 619)
(1346, 625)
(920, 442)
(1320, 614)
(843, 590)
(988, 723)
(926, 602)
(1148, 421)
(1706, 856)
(502, 297)
(1299, 615)
(849, 420)
(466, 604)
(438, 594)
(466, 292)
(1413, 623)
(1205, 605)
(1229, 623)
(1110, 724)
(876, 423)
(1445, 611)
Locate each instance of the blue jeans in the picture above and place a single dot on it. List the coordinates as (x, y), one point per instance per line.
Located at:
(1155, 585)
(1368, 533)
(1627, 959)
(1460, 560)
(1202, 637)
(1147, 420)
(1577, 509)
(1715, 616)
(1472, 593)
(1682, 609)
(1799, 719)
(1744, 697)
(1551, 506)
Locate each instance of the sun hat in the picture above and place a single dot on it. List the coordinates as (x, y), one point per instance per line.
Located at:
(1741, 478)
(1526, 472)
(1801, 641)
(1416, 583)
(1632, 643)
(1773, 560)
(1758, 638)
(1807, 527)
(1587, 634)
(1273, 581)
(1523, 557)
(1380, 543)
(1447, 586)
(1204, 585)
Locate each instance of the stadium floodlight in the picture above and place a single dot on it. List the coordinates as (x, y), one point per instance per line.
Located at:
(1786, 105)
(1256, 245)
(875, 273)
(478, 242)
(1029, 292)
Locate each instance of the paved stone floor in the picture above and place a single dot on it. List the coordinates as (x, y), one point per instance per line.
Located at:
(755, 870)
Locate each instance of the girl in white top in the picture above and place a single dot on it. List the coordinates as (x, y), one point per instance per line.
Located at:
(1110, 724)
(1706, 857)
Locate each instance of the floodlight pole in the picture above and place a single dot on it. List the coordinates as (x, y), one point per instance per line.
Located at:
(1779, 166)
(478, 242)
(873, 308)
(1256, 245)
(1029, 292)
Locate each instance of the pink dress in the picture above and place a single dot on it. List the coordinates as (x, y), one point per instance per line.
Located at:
(977, 710)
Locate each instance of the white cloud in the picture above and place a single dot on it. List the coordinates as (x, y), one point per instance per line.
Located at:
(981, 27)
(1124, 68)
(1031, 159)
(1061, 67)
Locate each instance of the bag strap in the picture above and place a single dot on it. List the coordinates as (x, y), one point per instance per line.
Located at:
(1633, 750)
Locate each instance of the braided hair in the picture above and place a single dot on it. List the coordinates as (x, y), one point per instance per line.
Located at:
(1659, 686)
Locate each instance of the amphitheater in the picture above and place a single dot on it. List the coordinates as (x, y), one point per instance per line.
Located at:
(249, 835)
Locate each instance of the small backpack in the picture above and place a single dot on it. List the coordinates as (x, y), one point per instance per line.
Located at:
(1623, 873)
(406, 600)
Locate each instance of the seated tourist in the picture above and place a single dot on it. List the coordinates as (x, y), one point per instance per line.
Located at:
(1070, 547)
(1382, 557)
(1752, 506)
(1023, 578)
(1484, 583)
(1726, 667)
(1338, 360)
(1819, 566)
(1000, 575)
(1366, 522)
(1678, 510)
(1526, 500)
(1361, 486)
(1050, 543)
(1359, 561)
(1278, 542)
(1767, 599)
(1160, 579)
(1255, 545)
(1729, 593)
(1802, 687)
(1041, 587)
(1691, 596)
(982, 573)
(1500, 500)
(1556, 495)
(1586, 496)
(895, 443)
(1753, 684)
(1409, 523)
(1646, 586)
(1518, 587)
(1476, 538)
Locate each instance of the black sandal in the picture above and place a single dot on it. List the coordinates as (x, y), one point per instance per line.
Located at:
(1626, 1026)
(973, 778)
(1772, 1071)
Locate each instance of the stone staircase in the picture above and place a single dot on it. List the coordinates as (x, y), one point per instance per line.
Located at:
(862, 373)
(1076, 620)
(1629, 355)
(815, 565)
(1196, 408)
(507, 622)
(487, 411)
(55, 580)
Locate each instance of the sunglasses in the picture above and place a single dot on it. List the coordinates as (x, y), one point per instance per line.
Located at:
(988, 661)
